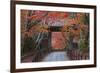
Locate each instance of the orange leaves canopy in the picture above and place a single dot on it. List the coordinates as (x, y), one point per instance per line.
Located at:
(57, 15)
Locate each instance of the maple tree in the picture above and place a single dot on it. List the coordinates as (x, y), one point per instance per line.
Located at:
(74, 25)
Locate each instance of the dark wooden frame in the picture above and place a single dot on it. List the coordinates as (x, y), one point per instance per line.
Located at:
(13, 29)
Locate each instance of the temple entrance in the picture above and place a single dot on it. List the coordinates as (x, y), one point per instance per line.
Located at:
(57, 39)
(53, 40)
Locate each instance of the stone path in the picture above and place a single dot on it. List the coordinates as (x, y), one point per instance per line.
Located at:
(56, 56)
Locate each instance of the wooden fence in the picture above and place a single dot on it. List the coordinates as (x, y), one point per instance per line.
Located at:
(77, 55)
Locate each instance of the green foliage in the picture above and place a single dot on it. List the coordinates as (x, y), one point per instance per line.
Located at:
(83, 45)
(28, 45)
(86, 21)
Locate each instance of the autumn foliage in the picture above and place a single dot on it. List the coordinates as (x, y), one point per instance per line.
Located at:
(72, 24)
